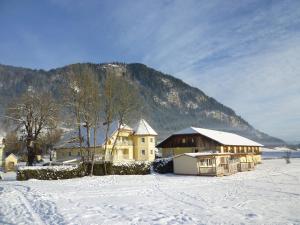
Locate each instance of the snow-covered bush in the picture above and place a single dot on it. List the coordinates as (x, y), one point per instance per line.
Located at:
(99, 168)
(50, 172)
(132, 168)
(122, 168)
(163, 165)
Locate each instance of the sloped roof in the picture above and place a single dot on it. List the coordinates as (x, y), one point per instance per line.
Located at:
(206, 153)
(143, 128)
(222, 137)
(70, 138)
(11, 154)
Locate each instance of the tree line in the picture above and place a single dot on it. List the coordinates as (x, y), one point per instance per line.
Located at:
(36, 116)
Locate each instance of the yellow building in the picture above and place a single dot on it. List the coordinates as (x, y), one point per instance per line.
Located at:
(128, 144)
(221, 146)
(144, 138)
(1, 153)
(10, 162)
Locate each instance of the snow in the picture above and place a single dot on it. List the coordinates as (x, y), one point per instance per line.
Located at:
(196, 154)
(268, 195)
(222, 137)
(53, 168)
(279, 152)
(143, 128)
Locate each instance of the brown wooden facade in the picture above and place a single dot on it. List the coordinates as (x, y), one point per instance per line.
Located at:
(189, 140)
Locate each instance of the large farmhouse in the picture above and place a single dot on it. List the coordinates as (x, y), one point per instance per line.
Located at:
(210, 152)
(123, 143)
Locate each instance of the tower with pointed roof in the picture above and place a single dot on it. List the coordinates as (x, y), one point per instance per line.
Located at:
(144, 139)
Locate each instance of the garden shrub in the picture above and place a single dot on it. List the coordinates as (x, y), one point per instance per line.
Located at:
(50, 172)
(163, 165)
(132, 168)
(122, 168)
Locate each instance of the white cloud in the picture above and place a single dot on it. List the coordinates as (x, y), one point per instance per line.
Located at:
(245, 54)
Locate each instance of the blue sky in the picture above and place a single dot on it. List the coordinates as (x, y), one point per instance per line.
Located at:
(246, 54)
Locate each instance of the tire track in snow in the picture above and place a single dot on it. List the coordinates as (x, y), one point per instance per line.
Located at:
(158, 187)
(22, 211)
(44, 209)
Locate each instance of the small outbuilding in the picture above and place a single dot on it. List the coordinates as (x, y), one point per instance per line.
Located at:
(205, 164)
(10, 162)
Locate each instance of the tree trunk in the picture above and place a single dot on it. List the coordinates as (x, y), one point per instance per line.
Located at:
(94, 151)
(88, 140)
(80, 142)
(105, 149)
(30, 151)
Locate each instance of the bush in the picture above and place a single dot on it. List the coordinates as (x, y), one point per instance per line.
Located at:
(99, 168)
(163, 165)
(50, 172)
(132, 168)
(124, 168)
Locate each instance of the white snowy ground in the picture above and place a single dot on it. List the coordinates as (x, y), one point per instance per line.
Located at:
(268, 195)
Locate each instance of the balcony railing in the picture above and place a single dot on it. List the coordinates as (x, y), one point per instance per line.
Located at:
(127, 143)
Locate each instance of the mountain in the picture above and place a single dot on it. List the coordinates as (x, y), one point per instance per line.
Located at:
(168, 103)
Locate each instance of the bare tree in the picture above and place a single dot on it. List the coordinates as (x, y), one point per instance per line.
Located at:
(90, 91)
(13, 143)
(121, 101)
(73, 99)
(109, 96)
(32, 113)
(94, 114)
(83, 100)
(49, 139)
(127, 103)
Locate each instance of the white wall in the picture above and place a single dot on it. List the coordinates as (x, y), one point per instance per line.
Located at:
(185, 165)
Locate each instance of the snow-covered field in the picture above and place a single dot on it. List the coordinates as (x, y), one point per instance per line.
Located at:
(279, 152)
(268, 195)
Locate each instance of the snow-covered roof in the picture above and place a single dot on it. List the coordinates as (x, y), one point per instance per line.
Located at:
(70, 138)
(222, 137)
(143, 128)
(11, 154)
(206, 153)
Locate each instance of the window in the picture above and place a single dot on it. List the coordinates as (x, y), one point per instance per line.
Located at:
(183, 140)
(225, 149)
(209, 162)
(70, 153)
(206, 162)
(223, 160)
(151, 139)
(242, 149)
(143, 152)
(143, 140)
(151, 152)
(232, 149)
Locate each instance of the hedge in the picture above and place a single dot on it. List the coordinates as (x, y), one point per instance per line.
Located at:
(163, 165)
(124, 168)
(67, 172)
(132, 168)
(50, 172)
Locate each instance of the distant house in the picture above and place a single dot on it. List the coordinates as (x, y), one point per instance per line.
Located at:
(132, 144)
(10, 162)
(210, 152)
